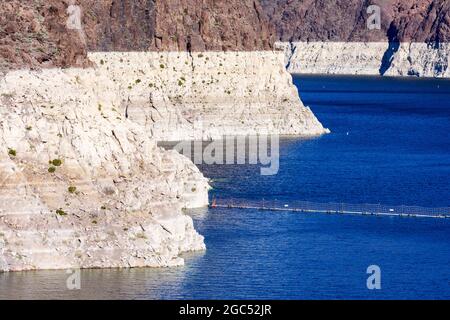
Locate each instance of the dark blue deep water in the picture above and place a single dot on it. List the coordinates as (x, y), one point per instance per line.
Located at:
(390, 144)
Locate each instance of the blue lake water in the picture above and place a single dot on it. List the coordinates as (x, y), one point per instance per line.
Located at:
(390, 144)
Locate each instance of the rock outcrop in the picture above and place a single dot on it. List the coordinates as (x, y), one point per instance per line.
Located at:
(368, 58)
(203, 96)
(33, 34)
(81, 186)
(87, 88)
(332, 36)
(217, 62)
(176, 25)
(346, 20)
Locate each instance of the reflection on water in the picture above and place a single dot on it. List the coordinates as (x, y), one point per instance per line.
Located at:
(140, 283)
(258, 254)
(145, 283)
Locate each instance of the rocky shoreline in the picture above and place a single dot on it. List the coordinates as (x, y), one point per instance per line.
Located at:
(82, 186)
(88, 88)
(206, 95)
(83, 183)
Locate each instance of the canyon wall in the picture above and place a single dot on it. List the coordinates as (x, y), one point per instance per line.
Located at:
(33, 34)
(332, 37)
(203, 96)
(368, 58)
(217, 62)
(176, 25)
(80, 185)
(87, 88)
(37, 34)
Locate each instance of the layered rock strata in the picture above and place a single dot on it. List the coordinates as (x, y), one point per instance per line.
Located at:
(368, 58)
(81, 186)
(206, 95)
(87, 88)
(333, 37)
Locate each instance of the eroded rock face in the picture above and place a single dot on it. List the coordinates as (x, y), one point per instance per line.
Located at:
(81, 186)
(82, 183)
(346, 20)
(425, 21)
(203, 96)
(193, 25)
(34, 34)
(332, 37)
(176, 25)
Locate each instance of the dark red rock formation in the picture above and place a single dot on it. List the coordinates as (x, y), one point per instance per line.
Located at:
(213, 25)
(197, 25)
(427, 21)
(345, 20)
(34, 34)
(119, 25)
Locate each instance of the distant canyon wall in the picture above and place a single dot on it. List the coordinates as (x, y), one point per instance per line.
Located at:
(332, 37)
(368, 58)
(346, 20)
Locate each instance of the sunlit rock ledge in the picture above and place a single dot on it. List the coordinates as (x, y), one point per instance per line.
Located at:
(82, 181)
(206, 95)
(81, 186)
(368, 58)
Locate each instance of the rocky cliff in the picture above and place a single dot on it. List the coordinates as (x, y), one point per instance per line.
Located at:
(36, 33)
(333, 37)
(346, 20)
(221, 62)
(88, 87)
(176, 25)
(80, 185)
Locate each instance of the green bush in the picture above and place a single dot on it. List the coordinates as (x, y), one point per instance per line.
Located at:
(12, 152)
(56, 162)
(61, 212)
(72, 189)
